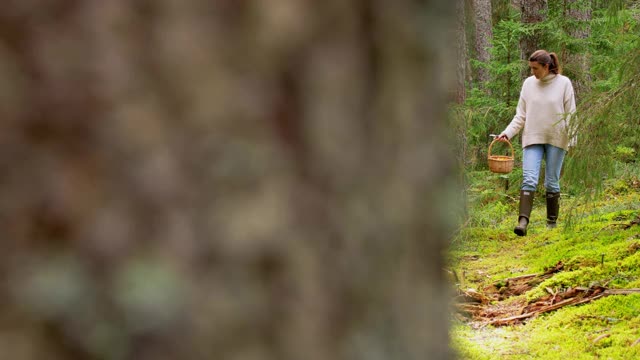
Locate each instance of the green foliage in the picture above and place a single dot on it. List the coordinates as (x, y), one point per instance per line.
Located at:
(489, 107)
(487, 192)
(625, 154)
(615, 6)
(613, 46)
(609, 131)
(505, 66)
(607, 120)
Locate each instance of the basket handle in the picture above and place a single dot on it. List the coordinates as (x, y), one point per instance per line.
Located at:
(507, 141)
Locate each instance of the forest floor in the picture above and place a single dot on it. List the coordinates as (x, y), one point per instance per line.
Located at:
(567, 293)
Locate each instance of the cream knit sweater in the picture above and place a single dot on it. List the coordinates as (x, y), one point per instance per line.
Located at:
(543, 111)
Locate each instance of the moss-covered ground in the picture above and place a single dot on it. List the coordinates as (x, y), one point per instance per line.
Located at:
(598, 242)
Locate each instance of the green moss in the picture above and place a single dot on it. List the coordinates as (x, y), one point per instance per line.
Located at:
(624, 154)
(595, 250)
(573, 331)
(631, 263)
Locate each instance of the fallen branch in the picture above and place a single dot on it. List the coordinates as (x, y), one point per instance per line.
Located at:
(572, 301)
(521, 277)
(595, 293)
(626, 226)
(621, 291)
(486, 306)
(603, 336)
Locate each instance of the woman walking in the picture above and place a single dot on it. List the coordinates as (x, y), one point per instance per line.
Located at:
(546, 102)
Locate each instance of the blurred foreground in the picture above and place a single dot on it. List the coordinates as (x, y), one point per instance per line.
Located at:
(223, 179)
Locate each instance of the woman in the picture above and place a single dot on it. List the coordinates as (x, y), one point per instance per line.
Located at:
(546, 101)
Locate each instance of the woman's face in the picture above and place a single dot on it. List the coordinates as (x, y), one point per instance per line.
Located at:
(538, 70)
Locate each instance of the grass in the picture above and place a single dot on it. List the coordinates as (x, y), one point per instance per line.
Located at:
(595, 249)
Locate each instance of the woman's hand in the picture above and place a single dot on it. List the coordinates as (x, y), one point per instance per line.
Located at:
(502, 137)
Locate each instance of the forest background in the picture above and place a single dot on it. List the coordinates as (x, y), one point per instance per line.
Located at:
(526, 283)
(597, 43)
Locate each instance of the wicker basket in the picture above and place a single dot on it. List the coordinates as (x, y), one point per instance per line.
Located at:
(500, 163)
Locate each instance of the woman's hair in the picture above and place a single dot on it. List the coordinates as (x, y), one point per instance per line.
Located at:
(545, 58)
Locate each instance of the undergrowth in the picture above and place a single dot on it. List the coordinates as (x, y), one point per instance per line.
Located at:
(599, 245)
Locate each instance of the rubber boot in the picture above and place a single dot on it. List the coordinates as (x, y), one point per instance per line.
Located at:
(553, 207)
(526, 203)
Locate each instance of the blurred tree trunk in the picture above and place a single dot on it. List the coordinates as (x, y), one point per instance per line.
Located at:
(575, 60)
(461, 52)
(533, 12)
(224, 179)
(483, 35)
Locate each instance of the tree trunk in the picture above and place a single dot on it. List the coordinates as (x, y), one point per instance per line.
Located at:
(483, 32)
(575, 61)
(461, 52)
(205, 179)
(533, 12)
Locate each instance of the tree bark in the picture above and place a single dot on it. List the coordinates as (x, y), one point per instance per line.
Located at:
(483, 35)
(461, 52)
(533, 12)
(576, 62)
(205, 179)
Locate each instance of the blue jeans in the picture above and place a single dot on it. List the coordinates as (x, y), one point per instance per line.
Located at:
(531, 161)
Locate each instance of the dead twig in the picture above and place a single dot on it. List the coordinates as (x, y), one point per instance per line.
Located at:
(521, 277)
(572, 301)
(603, 336)
(626, 226)
(621, 291)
